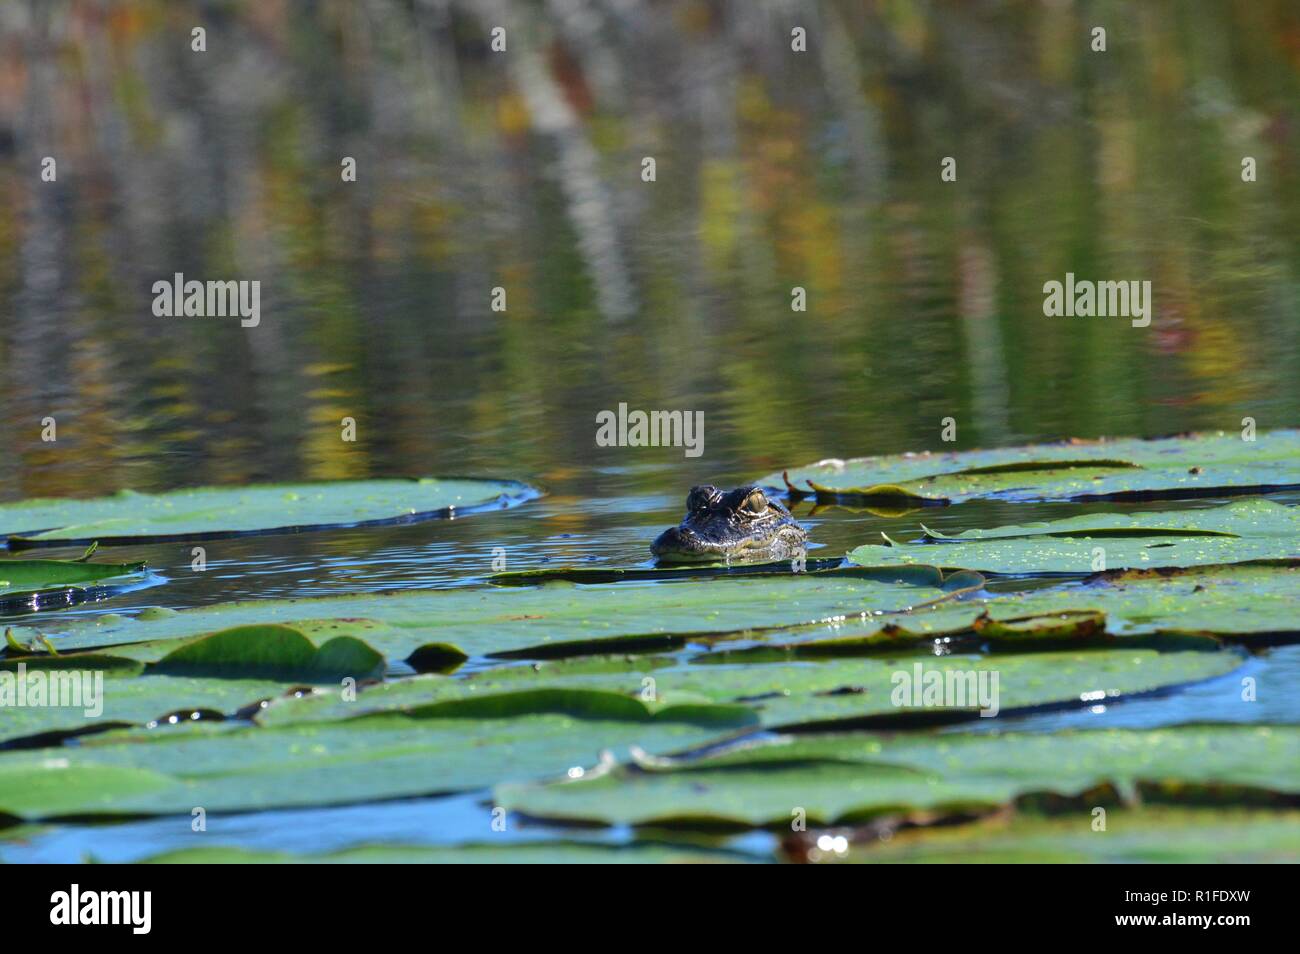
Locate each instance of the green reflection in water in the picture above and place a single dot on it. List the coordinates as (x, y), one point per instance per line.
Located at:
(774, 170)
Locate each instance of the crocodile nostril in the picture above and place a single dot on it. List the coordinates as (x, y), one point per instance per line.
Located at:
(669, 541)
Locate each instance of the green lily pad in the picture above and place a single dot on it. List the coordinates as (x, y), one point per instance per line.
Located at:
(520, 853)
(1248, 602)
(215, 676)
(1153, 835)
(1238, 532)
(718, 696)
(122, 699)
(323, 650)
(1068, 625)
(273, 652)
(848, 778)
(619, 675)
(1202, 465)
(1245, 602)
(792, 694)
(539, 621)
(109, 665)
(212, 512)
(358, 760)
(26, 581)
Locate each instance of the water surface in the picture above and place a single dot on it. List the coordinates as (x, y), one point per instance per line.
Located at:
(774, 171)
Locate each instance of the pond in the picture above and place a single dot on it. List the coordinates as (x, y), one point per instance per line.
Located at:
(501, 273)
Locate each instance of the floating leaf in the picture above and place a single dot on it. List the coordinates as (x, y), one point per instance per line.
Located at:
(841, 779)
(27, 581)
(212, 512)
(1169, 608)
(1178, 467)
(436, 657)
(1238, 532)
(110, 665)
(616, 675)
(1070, 626)
(790, 694)
(89, 692)
(213, 677)
(50, 785)
(232, 769)
(1152, 835)
(520, 853)
(552, 620)
(273, 652)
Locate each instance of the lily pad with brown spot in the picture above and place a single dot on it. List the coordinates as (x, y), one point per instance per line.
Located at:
(1198, 465)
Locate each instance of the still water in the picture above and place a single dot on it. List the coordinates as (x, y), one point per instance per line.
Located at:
(477, 172)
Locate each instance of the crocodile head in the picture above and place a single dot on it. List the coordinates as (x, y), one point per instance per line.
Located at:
(742, 525)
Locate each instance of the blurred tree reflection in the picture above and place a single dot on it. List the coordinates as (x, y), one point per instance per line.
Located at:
(522, 170)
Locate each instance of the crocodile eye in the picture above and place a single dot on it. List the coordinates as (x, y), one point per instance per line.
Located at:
(700, 497)
(755, 503)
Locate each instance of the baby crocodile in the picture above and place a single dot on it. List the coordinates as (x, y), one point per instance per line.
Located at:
(725, 527)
